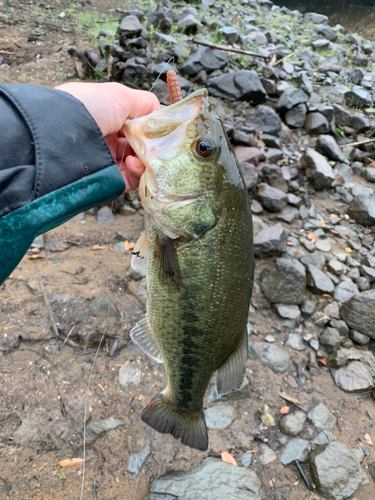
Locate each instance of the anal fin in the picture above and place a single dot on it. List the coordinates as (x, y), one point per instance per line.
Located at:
(230, 375)
(142, 336)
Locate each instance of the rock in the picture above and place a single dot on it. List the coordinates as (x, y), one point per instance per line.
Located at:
(292, 423)
(316, 259)
(330, 339)
(323, 246)
(264, 119)
(327, 145)
(159, 21)
(316, 123)
(105, 216)
(212, 480)
(290, 98)
(275, 177)
(256, 207)
(272, 356)
(355, 377)
(219, 417)
(324, 437)
(284, 281)
(229, 33)
(289, 311)
(103, 307)
(317, 169)
(130, 27)
(345, 291)
(137, 460)
(336, 479)
(332, 310)
(296, 449)
(319, 281)
(204, 58)
(369, 174)
(94, 429)
(320, 416)
(358, 96)
(321, 44)
(359, 313)
(267, 455)
(271, 198)
(338, 358)
(164, 38)
(189, 24)
(305, 83)
(33, 286)
(368, 272)
(362, 209)
(296, 116)
(250, 175)
(38, 242)
(271, 241)
(359, 338)
(248, 154)
(129, 374)
(255, 38)
(266, 417)
(242, 138)
(315, 18)
(307, 307)
(240, 85)
(246, 459)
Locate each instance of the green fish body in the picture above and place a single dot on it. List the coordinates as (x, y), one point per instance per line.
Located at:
(198, 252)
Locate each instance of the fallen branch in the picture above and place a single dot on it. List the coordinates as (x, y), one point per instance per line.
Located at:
(49, 309)
(231, 49)
(358, 143)
(282, 60)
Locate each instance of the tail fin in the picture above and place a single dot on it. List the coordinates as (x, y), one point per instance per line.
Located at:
(189, 427)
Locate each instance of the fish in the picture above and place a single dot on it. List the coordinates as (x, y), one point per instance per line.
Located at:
(197, 248)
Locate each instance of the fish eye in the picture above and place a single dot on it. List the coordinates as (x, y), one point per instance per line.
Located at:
(204, 148)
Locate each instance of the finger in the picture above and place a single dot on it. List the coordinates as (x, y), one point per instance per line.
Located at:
(134, 166)
(123, 148)
(142, 103)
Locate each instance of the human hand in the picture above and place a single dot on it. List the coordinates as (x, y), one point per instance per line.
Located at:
(111, 104)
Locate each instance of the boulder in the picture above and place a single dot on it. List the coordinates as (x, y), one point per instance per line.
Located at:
(272, 356)
(264, 119)
(359, 313)
(317, 169)
(271, 198)
(284, 281)
(240, 85)
(362, 209)
(290, 98)
(319, 281)
(271, 241)
(327, 145)
(316, 123)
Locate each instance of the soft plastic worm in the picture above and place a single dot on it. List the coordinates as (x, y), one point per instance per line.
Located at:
(173, 86)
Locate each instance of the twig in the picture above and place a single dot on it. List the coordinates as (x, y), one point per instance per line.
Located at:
(49, 308)
(231, 49)
(6, 52)
(69, 334)
(358, 143)
(304, 477)
(44, 383)
(283, 59)
(113, 348)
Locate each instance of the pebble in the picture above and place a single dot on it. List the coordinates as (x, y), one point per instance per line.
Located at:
(105, 216)
(319, 415)
(355, 377)
(272, 356)
(137, 460)
(295, 342)
(130, 374)
(95, 428)
(296, 449)
(292, 423)
(267, 455)
(103, 307)
(220, 417)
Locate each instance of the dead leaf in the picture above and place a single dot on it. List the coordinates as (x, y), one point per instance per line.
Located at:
(348, 250)
(284, 410)
(98, 247)
(290, 244)
(228, 458)
(322, 221)
(36, 256)
(34, 250)
(327, 295)
(267, 418)
(323, 361)
(128, 246)
(291, 381)
(334, 216)
(285, 396)
(312, 237)
(369, 440)
(73, 462)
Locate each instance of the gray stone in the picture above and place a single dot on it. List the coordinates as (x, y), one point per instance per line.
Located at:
(363, 284)
(330, 339)
(38, 242)
(272, 356)
(290, 98)
(342, 116)
(345, 291)
(94, 429)
(103, 307)
(104, 215)
(316, 259)
(267, 455)
(316, 123)
(323, 246)
(129, 374)
(294, 339)
(288, 311)
(307, 307)
(219, 417)
(204, 58)
(256, 38)
(159, 21)
(369, 174)
(317, 169)
(264, 119)
(284, 281)
(296, 116)
(271, 241)
(362, 209)
(213, 480)
(130, 27)
(246, 459)
(328, 32)
(271, 198)
(189, 24)
(368, 272)
(327, 145)
(315, 18)
(137, 460)
(240, 85)
(296, 449)
(305, 83)
(250, 175)
(164, 38)
(359, 338)
(229, 33)
(292, 423)
(275, 177)
(336, 479)
(355, 377)
(324, 437)
(338, 358)
(358, 96)
(321, 44)
(33, 286)
(319, 281)
(256, 207)
(320, 416)
(359, 313)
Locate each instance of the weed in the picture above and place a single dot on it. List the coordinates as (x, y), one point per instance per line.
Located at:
(340, 131)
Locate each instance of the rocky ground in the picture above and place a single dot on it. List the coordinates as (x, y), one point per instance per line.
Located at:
(292, 110)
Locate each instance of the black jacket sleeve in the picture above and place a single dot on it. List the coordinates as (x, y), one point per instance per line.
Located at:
(54, 164)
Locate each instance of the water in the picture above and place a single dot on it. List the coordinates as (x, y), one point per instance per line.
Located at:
(358, 16)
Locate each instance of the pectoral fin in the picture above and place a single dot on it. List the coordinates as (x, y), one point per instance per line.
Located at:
(142, 336)
(230, 375)
(139, 254)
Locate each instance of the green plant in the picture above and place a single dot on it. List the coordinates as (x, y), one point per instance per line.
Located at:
(340, 131)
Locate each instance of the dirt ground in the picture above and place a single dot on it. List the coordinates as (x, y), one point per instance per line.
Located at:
(43, 382)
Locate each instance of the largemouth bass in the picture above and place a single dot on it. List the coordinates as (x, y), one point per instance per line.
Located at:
(198, 251)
